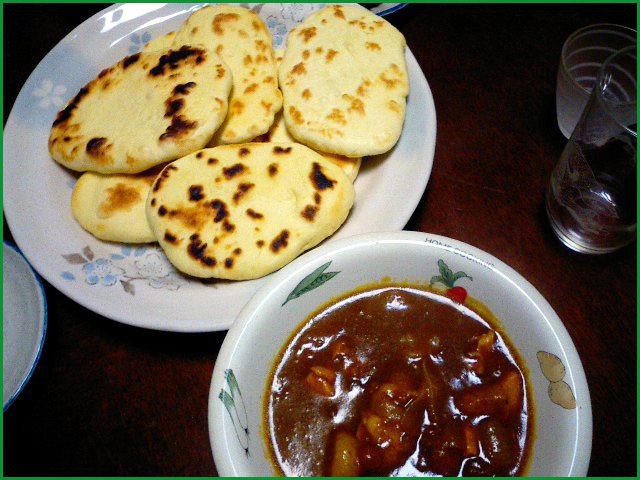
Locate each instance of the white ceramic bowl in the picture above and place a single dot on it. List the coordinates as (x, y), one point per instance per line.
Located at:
(24, 322)
(562, 434)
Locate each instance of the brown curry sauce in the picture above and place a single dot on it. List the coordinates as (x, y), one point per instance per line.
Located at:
(398, 380)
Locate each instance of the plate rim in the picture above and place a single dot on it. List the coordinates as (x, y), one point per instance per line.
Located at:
(579, 464)
(40, 293)
(102, 308)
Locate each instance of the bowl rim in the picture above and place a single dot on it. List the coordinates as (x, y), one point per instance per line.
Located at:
(42, 321)
(224, 460)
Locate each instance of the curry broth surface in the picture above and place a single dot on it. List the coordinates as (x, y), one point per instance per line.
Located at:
(391, 329)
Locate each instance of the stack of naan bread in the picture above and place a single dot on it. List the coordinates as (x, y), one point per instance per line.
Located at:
(234, 159)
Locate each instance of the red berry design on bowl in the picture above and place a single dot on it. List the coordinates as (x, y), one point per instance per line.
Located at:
(448, 279)
(457, 294)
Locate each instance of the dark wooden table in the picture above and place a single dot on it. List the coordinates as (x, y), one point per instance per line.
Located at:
(109, 399)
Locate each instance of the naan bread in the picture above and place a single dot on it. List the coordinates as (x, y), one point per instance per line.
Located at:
(145, 110)
(278, 134)
(344, 82)
(163, 42)
(112, 207)
(240, 37)
(242, 211)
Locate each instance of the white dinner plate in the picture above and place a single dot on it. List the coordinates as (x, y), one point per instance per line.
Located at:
(24, 322)
(136, 284)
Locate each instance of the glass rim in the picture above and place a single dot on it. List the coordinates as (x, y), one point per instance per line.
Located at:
(598, 91)
(581, 31)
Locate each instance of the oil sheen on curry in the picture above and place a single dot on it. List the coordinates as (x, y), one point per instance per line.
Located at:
(400, 381)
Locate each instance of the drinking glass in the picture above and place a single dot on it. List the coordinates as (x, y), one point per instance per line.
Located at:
(591, 199)
(583, 53)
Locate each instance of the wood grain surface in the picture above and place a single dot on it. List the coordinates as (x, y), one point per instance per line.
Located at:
(109, 399)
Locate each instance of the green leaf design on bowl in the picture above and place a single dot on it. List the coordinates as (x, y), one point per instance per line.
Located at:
(229, 400)
(311, 282)
(447, 277)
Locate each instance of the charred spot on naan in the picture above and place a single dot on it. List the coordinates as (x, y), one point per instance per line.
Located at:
(309, 212)
(98, 148)
(220, 19)
(65, 114)
(236, 107)
(130, 60)
(234, 170)
(190, 217)
(261, 46)
(197, 250)
(171, 238)
(318, 179)
(394, 106)
(299, 69)
(166, 172)
(278, 150)
(296, 115)
(196, 193)
(242, 190)
(251, 88)
(330, 55)
(390, 83)
(253, 214)
(280, 241)
(307, 33)
(174, 105)
(337, 116)
(362, 89)
(227, 226)
(174, 58)
(176, 100)
(179, 127)
(338, 13)
(120, 198)
(266, 105)
(257, 26)
(222, 212)
(355, 104)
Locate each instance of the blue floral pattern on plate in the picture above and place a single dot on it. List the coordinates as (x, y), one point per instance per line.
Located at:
(141, 263)
(50, 95)
(103, 271)
(138, 41)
